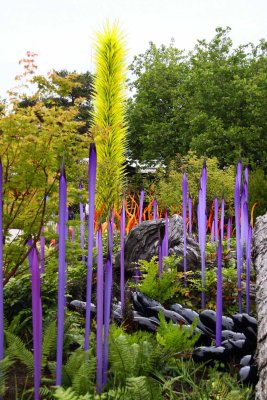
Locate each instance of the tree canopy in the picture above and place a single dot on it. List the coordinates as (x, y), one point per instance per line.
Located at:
(211, 100)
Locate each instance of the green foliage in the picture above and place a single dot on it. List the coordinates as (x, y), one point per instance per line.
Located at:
(130, 359)
(220, 181)
(211, 100)
(109, 126)
(175, 338)
(161, 288)
(258, 192)
(79, 372)
(69, 394)
(17, 349)
(34, 139)
(5, 366)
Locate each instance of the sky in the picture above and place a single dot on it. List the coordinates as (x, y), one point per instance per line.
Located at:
(61, 32)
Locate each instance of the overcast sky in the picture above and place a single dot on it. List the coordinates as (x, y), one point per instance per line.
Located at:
(61, 31)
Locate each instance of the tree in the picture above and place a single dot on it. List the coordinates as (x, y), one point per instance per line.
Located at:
(210, 99)
(33, 141)
(66, 89)
(220, 182)
(154, 111)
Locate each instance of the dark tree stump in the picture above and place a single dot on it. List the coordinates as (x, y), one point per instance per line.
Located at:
(260, 261)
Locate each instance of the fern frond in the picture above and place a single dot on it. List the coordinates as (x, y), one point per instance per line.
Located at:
(122, 358)
(142, 388)
(5, 364)
(49, 341)
(68, 394)
(17, 349)
(83, 381)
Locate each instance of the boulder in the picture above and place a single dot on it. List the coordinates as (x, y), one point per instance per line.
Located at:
(143, 240)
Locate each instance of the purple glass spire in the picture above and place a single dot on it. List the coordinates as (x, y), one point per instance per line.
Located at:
(61, 270)
(238, 242)
(222, 219)
(219, 307)
(142, 197)
(42, 251)
(122, 238)
(1, 267)
(248, 257)
(190, 214)
(184, 195)
(81, 224)
(216, 213)
(99, 315)
(212, 232)
(202, 223)
(155, 206)
(107, 299)
(91, 186)
(36, 323)
(165, 242)
(229, 233)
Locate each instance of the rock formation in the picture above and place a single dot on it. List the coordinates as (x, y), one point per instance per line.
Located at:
(259, 253)
(142, 242)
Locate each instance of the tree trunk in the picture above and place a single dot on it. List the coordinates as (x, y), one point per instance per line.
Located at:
(260, 261)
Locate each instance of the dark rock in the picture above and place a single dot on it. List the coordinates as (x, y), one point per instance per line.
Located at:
(142, 242)
(206, 330)
(147, 324)
(137, 305)
(80, 306)
(208, 318)
(249, 374)
(210, 354)
(188, 314)
(226, 334)
(246, 360)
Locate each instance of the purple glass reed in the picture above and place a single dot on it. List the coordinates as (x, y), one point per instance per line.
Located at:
(122, 239)
(155, 206)
(81, 224)
(222, 218)
(216, 215)
(42, 251)
(73, 234)
(212, 232)
(142, 197)
(61, 271)
(238, 242)
(165, 242)
(30, 254)
(239, 173)
(36, 323)
(107, 300)
(1, 267)
(99, 315)
(229, 233)
(202, 220)
(246, 179)
(244, 227)
(184, 196)
(248, 257)
(219, 307)
(91, 186)
(190, 214)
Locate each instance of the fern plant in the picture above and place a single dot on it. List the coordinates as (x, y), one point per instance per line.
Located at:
(5, 365)
(175, 338)
(165, 287)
